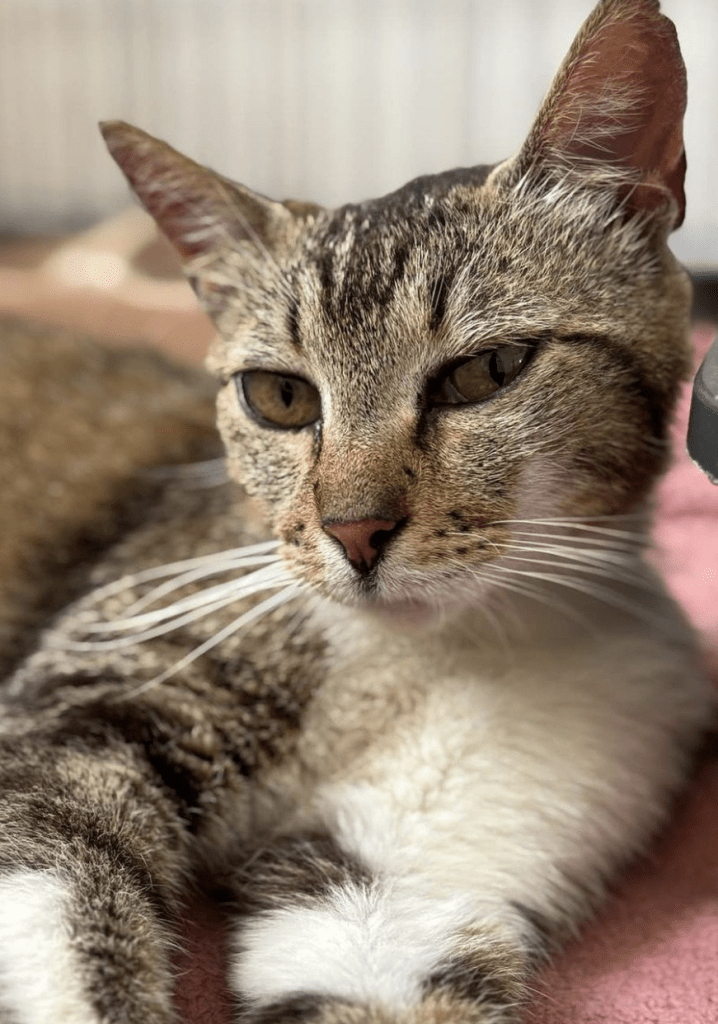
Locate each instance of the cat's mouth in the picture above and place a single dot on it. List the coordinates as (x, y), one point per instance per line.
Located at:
(393, 591)
(378, 594)
(414, 569)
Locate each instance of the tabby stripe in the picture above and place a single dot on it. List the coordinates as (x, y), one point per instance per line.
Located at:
(439, 298)
(486, 977)
(543, 936)
(294, 1010)
(293, 324)
(401, 256)
(293, 869)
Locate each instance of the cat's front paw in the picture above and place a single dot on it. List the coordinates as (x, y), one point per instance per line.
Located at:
(58, 962)
(436, 1008)
(41, 977)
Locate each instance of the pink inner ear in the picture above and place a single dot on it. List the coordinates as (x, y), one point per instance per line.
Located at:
(623, 102)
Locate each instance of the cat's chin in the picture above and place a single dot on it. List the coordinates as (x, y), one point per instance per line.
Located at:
(402, 611)
(406, 602)
(405, 613)
(410, 610)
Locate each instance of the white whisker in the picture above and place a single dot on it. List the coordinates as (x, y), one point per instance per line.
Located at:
(220, 594)
(606, 554)
(192, 475)
(590, 589)
(264, 607)
(193, 576)
(151, 634)
(567, 561)
(617, 541)
(67, 644)
(534, 593)
(175, 568)
(598, 548)
(579, 523)
(494, 619)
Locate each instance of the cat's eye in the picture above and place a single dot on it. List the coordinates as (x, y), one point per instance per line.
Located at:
(279, 400)
(480, 376)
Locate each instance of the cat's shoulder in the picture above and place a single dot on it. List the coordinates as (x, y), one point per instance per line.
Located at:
(83, 426)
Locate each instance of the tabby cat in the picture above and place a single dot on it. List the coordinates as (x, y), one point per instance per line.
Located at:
(414, 715)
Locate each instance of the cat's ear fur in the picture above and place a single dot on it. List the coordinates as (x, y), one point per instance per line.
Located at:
(205, 216)
(614, 113)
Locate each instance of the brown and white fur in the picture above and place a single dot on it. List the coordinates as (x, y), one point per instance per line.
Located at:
(467, 700)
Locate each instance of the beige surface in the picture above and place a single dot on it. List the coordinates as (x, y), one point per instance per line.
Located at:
(119, 281)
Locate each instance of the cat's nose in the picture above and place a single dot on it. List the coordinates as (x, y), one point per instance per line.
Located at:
(362, 539)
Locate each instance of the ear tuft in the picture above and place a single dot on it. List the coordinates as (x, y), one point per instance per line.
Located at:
(617, 106)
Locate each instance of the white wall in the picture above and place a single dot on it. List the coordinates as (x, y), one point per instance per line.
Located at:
(326, 99)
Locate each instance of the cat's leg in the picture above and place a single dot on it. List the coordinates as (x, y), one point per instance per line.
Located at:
(92, 854)
(323, 940)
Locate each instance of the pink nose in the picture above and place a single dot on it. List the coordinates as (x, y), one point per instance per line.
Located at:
(362, 539)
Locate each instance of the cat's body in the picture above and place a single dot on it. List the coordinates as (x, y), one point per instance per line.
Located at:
(381, 802)
(464, 700)
(80, 425)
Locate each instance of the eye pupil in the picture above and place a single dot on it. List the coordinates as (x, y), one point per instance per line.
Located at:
(286, 392)
(496, 369)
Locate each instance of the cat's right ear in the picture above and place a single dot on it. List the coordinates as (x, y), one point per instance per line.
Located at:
(614, 114)
(203, 214)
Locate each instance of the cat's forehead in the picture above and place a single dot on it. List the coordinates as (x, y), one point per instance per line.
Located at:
(435, 271)
(423, 218)
(389, 264)
(442, 264)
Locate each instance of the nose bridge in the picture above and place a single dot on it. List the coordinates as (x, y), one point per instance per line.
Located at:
(362, 476)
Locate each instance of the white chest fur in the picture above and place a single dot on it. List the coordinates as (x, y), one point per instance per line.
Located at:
(473, 780)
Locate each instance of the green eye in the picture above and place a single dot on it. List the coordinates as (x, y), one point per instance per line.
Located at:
(480, 376)
(277, 400)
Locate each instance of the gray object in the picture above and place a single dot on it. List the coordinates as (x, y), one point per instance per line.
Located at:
(703, 422)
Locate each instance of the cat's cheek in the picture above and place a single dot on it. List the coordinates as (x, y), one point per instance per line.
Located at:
(476, 473)
(542, 487)
(269, 464)
(598, 448)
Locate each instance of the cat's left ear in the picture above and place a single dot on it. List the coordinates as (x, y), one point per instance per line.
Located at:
(203, 214)
(615, 111)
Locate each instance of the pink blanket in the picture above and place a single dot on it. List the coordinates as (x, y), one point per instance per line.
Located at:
(652, 958)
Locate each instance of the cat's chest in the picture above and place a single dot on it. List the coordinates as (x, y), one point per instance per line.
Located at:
(447, 744)
(394, 700)
(436, 721)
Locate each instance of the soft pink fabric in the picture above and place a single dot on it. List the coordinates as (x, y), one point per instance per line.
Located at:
(652, 958)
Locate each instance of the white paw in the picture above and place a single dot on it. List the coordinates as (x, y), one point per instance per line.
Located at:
(39, 976)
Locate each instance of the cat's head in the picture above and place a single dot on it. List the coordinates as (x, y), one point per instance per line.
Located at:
(402, 376)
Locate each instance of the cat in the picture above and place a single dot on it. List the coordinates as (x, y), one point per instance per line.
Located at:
(407, 691)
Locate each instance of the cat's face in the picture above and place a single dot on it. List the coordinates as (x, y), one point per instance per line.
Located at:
(401, 377)
(470, 356)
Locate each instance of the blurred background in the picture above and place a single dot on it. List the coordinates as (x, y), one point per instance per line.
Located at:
(330, 100)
